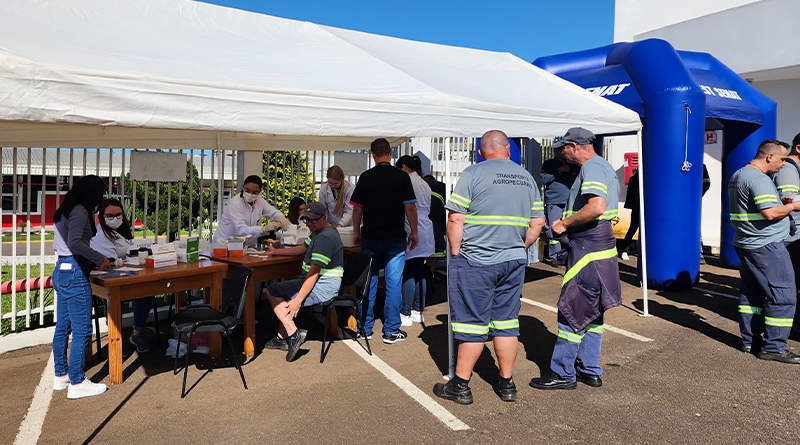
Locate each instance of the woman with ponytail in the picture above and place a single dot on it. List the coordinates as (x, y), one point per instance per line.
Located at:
(335, 196)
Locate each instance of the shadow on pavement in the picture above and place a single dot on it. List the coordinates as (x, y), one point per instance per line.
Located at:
(692, 320)
(114, 412)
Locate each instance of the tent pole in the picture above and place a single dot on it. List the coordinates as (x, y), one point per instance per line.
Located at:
(642, 242)
(451, 369)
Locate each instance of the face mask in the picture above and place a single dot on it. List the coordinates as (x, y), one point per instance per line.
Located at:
(114, 223)
(249, 198)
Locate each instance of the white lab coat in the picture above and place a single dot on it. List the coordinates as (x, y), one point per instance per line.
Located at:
(425, 245)
(345, 215)
(242, 219)
(117, 248)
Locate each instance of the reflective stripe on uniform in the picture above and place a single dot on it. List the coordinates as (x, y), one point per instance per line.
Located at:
(780, 322)
(749, 309)
(586, 259)
(438, 196)
(538, 205)
(497, 220)
(338, 272)
(306, 267)
(789, 188)
(765, 198)
(747, 217)
(470, 328)
(321, 258)
(460, 200)
(597, 328)
(608, 214)
(569, 336)
(504, 324)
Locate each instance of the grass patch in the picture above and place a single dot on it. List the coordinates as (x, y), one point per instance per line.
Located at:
(48, 236)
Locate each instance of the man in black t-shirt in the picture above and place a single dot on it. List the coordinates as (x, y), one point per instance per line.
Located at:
(384, 198)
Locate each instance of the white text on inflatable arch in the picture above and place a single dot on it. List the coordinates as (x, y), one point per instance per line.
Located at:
(608, 90)
(720, 92)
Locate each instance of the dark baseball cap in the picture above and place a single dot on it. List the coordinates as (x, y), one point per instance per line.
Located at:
(575, 135)
(314, 210)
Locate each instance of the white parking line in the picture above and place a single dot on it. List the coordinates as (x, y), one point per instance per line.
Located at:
(713, 292)
(415, 393)
(31, 426)
(607, 326)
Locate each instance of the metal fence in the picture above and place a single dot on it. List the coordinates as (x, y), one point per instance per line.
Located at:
(35, 181)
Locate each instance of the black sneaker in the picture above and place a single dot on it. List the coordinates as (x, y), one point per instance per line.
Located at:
(277, 343)
(394, 338)
(294, 343)
(450, 392)
(785, 356)
(361, 335)
(507, 393)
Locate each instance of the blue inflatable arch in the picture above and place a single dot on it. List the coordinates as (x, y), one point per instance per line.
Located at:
(674, 92)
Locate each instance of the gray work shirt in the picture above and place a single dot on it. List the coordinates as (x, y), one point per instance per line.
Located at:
(787, 180)
(751, 191)
(597, 177)
(498, 199)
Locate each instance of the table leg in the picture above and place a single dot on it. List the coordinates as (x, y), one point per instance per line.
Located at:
(180, 300)
(213, 296)
(250, 320)
(114, 336)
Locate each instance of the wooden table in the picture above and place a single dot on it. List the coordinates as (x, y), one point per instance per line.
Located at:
(266, 268)
(179, 279)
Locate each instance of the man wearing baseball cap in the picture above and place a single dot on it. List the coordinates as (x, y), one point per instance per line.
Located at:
(591, 284)
(323, 268)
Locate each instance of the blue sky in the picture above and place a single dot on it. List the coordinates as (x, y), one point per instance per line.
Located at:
(525, 28)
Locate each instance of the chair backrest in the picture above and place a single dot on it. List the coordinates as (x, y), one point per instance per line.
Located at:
(357, 272)
(241, 278)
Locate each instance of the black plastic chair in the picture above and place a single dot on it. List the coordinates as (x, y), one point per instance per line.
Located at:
(204, 318)
(356, 273)
(99, 306)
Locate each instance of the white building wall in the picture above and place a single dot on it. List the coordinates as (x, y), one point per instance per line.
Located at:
(787, 94)
(634, 17)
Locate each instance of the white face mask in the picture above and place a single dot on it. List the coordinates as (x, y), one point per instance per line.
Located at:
(249, 198)
(114, 223)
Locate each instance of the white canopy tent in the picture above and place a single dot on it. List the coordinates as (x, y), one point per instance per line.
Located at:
(177, 74)
(169, 74)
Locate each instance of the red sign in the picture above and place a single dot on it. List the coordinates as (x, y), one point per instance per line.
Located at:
(711, 137)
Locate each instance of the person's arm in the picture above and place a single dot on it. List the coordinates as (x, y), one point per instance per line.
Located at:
(411, 216)
(455, 231)
(357, 211)
(239, 217)
(308, 284)
(275, 215)
(594, 208)
(780, 211)
(767, 199)
(287, 251)
(534, 229)
(76, 223)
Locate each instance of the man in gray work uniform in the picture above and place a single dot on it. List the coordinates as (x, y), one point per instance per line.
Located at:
(767, 295)
(787, 180)
(495, 215)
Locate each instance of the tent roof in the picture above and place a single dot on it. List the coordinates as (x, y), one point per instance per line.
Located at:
(180, 74)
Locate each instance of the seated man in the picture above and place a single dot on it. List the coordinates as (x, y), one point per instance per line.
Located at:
(323, 270)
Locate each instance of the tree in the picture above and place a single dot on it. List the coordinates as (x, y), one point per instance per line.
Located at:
(286, 175)
(182, 194)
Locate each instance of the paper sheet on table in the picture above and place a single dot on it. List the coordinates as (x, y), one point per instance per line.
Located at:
(127, 269)
(97, 272)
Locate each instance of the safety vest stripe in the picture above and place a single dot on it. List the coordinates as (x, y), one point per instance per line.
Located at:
(460, 200)
(339, 272)
(765, 196)
(749, 309)
(608, 214)
(497, 220)
(438, 196)
(763, 200)
(586, 259)
(495, 223)
(306, 267)
(747, 217)
(569, 336)
(595, 183)
(598, 328)
(788, 187)
(321, 258)
(438, 255)
(590, 188)
(504, 324)
(308, 241)
(780, 322)
(554, 241)
(538, 205)
(470, 328)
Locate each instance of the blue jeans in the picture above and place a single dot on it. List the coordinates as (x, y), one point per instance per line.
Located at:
(414, 286)
(389, 255)
(74, 306)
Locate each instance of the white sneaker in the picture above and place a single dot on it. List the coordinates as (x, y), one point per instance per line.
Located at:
(405, 320)
(624, 256)
(85, 389)
(60, 383)
(417, 317)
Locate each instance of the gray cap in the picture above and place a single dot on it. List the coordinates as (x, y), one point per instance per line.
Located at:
(575, 135)
(314, 210)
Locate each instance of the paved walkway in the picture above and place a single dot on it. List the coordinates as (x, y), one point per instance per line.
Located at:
(690, 384)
